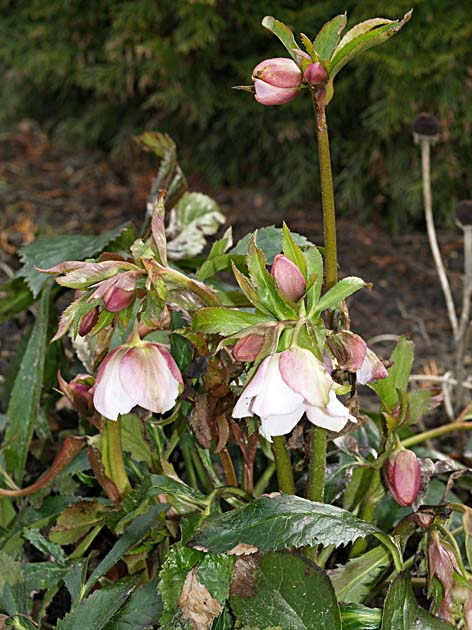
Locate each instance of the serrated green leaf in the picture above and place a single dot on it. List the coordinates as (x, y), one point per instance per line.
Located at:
(329, 36)
(420, 402)
(40, 576)
(353, 581)
(314, 266)
(343, 289)
(44, 545)
(14, 598)
(362, 37)
(398, 374)
(15, 297)
(285, 35)
(223, 321)
(401, 612)
(23, 405)
(358, 617)
(138, 529)
(141, 611)
(292, 251)
(291, 593)
(215, 572)
(47, 251)
(281, 522)
(96, 610)
(211, 266)
(264, 283)
(250, 292)
(195, 216)
(269, 240)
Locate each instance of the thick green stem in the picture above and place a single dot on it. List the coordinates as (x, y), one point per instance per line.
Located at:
(112, 456)
(327, 191)
(316, 473)
(283, 465)
(434, 433)
(317, 466)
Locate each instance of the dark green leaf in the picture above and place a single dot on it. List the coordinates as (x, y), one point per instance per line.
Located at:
(358, 617)
(314, 264)
(353, 581)
(47, 251)
(165, 485)
(96, 611)
(398, 374)
(134, 534)
(218, 263)
(41, 576)
(290, 592)
(141, 611)
(269, 240)
(76, 520)
(362, 37)
(24, 401)
(282, 31)
(292, 251)
(401, 612)
(45, 546)
(14, 598)
(281, 522)
(223, 321)
(15, 297)
(328, 37)
(215, 572)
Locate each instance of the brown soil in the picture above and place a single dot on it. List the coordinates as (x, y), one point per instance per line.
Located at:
(43, 192)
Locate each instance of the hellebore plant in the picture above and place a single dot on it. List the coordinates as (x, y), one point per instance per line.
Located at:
(194, 392)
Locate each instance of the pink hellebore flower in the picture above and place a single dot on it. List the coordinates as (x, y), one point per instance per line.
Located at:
(287, 385)
(133, 374)
(277, 81)
(351, 353)
(402, 475)
(288, 278)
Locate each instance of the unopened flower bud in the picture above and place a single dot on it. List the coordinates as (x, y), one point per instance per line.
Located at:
(372, 369)
(348, 348)
(288, 278)
(402, 474)
(117, 292)
(247, 348)
(315, 74)
(276, 81)
(79, 393)
(88, 321)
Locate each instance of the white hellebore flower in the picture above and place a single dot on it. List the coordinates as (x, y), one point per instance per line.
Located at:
(287, 385)
(141, 373)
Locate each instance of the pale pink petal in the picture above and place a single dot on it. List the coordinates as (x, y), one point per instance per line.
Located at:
(146, 378)
(280, 72)
(305, 374)
(372, 369)
(110, 398)
(258, 381)
(242, 409)
(171, 364)
(288, 278)
(103, 287)
(269, 95)
(333, 417)
(280, 424)
(276, 397)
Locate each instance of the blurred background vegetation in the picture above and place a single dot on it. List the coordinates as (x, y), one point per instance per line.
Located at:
(96, 72)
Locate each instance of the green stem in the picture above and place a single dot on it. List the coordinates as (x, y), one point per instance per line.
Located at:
(327, 191)
(434, 433)
(317, 466)
(191, 475)
(316, 473)
(264, 479)
(112, 456)
(367, 510)
(283, 465)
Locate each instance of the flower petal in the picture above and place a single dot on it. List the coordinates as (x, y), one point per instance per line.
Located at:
(333, 417)
(242, 409)
(305, 374)
(275, 397)
(280, 424)
(110, 398)
(146, 377)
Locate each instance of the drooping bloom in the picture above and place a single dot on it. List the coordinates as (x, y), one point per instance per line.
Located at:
(287, 385)
(351, 353)
(288, 278)
(276, 81)
(133, 374)
(402, 475)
